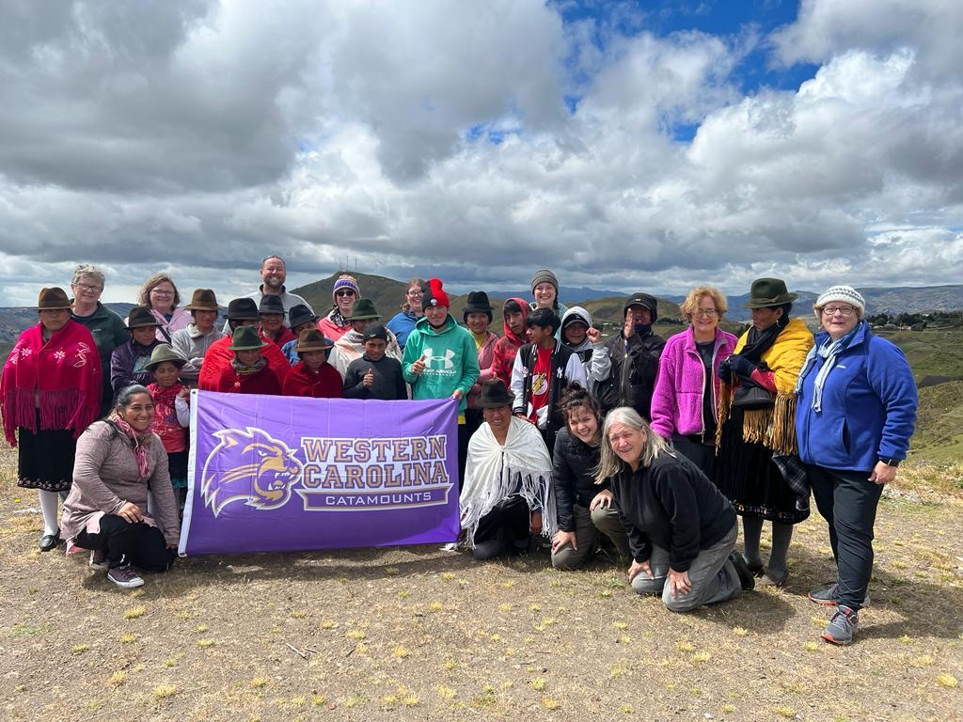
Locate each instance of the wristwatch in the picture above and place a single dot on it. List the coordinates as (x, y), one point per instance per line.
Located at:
(891, 462)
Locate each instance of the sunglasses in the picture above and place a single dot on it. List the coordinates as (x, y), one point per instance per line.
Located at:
(344, 293)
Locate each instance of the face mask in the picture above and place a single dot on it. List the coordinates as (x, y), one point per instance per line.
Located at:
(642, 329)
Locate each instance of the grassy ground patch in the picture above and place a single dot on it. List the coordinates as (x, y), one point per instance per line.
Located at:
(416, 633)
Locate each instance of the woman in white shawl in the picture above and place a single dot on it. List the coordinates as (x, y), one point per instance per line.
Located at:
(506, 497)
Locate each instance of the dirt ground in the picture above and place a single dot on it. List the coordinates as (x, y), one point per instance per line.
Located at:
(417, 633)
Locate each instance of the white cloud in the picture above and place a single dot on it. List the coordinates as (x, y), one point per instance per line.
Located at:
(202, 140)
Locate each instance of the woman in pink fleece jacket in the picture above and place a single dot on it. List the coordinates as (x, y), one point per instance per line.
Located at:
(684, 404)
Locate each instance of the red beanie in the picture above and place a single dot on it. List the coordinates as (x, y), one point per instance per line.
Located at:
(435, 295)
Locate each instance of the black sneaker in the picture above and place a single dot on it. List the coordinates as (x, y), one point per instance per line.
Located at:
(125, 576)
(828, 596)
(746, 578)
(98, 560)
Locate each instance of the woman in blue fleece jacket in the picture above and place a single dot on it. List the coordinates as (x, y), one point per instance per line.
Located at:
(855, 414)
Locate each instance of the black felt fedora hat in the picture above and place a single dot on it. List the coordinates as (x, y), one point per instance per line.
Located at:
(495, 394)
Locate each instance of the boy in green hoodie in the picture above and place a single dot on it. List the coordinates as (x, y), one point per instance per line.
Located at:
(441, 361)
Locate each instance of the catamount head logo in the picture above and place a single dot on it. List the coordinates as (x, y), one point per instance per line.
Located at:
(249, 466)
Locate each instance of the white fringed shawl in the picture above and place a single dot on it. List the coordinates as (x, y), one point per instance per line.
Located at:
(493, 472)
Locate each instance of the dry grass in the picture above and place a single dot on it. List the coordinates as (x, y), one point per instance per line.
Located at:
(415, 633)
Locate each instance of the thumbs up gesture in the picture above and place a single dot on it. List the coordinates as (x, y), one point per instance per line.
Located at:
(368, 380)
(418, 367)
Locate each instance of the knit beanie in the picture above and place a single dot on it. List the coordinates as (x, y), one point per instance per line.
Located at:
(843, 294)
(544, 276)
(435, 294)
(346, 281)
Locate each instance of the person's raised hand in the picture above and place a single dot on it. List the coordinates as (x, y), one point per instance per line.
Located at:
(418, 367)
(368, 380)
(593, 334)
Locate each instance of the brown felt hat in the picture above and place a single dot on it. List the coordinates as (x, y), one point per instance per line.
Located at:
(202, 300)
(141, 316)
(311, 339)
(53, 299)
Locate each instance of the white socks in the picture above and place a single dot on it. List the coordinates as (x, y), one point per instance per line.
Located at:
(49, 507)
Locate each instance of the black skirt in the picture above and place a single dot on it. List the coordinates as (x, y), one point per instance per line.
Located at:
(746, 474)
(46, 459)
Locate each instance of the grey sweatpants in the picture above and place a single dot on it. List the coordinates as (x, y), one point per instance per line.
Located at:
(711, 574)
(589, 527)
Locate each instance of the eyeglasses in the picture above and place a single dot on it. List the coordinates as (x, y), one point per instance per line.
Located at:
(162, 293)
(707, 312)
(88, 288)
(415, 293)
(344, 293)
(843, 310)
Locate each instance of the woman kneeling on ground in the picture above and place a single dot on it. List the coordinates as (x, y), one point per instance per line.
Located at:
(682, 530)
(118, 461)
(507, 497)
(586, 515)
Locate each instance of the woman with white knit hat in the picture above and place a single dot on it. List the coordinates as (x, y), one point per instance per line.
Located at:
(855, 414)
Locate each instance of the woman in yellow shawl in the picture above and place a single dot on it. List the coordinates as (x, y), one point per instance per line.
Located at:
(757, 411)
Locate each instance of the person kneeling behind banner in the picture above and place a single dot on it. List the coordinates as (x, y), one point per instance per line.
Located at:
(507, 497)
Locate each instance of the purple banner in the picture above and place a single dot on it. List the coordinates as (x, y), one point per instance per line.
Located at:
(272, 473)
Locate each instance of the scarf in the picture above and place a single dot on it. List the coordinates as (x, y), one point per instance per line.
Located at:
(243, 370)
(758, 342)
(140, 441)
(63, 374)
(784, 355)
(830, 351)
(493, 472)
(337, 319)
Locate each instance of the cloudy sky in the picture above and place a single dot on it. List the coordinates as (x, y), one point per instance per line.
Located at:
(650, 145)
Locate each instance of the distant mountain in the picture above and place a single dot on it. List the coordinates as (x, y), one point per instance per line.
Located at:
(14, 319)
(901, 299)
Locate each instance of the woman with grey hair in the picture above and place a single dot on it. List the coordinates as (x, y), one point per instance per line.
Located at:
(107, 327)
(119, 459)
(682, 530)
(160, 295)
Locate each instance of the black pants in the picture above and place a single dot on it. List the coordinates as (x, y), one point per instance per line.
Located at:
(503, 530)
(847, 500)
(125, 543)
(464, 435)
(702, 455)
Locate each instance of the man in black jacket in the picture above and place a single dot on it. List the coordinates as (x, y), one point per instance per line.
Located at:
(541, 372)
(628, 363)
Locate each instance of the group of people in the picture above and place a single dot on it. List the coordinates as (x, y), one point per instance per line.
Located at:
(639, 447)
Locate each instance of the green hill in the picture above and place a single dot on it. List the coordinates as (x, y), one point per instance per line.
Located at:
(939, 425)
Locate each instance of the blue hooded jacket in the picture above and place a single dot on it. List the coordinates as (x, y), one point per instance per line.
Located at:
(868, 406)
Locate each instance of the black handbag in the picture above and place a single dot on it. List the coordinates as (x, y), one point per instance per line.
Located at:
(750, 397)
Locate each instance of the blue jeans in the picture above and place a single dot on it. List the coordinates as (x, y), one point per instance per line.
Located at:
(847, 500)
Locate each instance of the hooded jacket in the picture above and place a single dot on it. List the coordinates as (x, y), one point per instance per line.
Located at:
(451, 361)
(627, 372)
(584, 349)
(503, 357)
